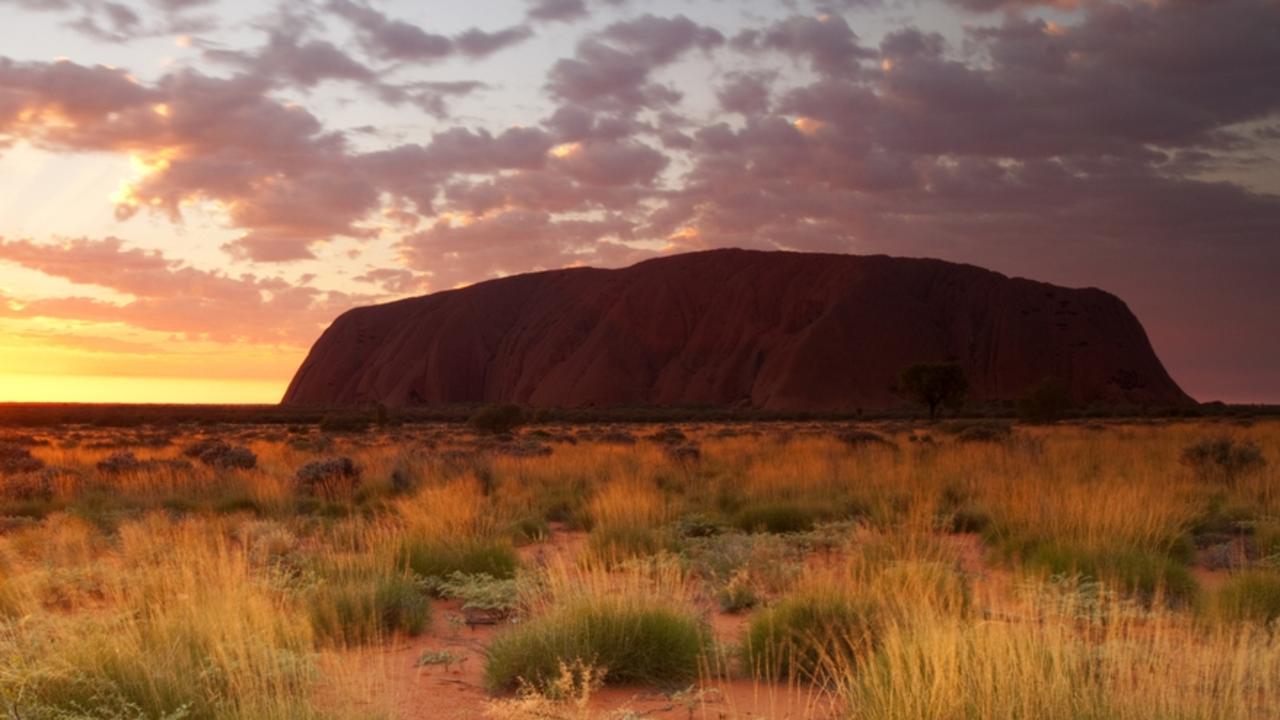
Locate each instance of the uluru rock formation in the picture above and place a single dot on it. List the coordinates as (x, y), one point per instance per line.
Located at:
(772, 330)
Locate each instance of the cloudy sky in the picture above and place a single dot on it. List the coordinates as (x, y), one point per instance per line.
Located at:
(191, 189)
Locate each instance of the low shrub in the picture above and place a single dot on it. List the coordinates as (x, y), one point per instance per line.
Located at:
(200, 447)
(497, 419)
(806, 631)
(28, 487)
(669, 436)
(523, 449)
(686, 454)
(358, 608)
(617, 437)
(16, 460)
(345, 423)
(775, 518)
(442, 558)
(769, 563)
(1223, 459)
(697, 525)
(1224, 520)
(618, 542)
(329, 477)
(235, 458)
(1045, 402)
(1249, 596)
(220, 455)
(969, 518)
(1143, 573)
(126, 462)
(738, 595)
(979, 431)
(479, 593)
(529, 529)
(650, 645)
(1266, 538)
(859, 438)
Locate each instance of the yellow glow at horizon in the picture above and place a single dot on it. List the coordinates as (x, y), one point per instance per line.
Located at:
(121, 389)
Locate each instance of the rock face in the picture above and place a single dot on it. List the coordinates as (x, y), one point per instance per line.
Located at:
(772, 330)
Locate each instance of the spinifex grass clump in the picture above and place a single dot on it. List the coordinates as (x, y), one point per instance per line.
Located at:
(439, 558)
(633, 644)
(775, 517)
(354, 607)
(635, 624)
(1249, 596)
(1223, 459)
(1144, 573)
(451, 529)
(15, 460)
(796, 636)
(627, 518)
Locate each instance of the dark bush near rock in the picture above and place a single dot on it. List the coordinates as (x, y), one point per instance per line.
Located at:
(617, 437)
(1223, 459)
(312, 443)
(669, 436)
(689, 453)
(497, 419)
(120, 462)
(863, 438)
(1046, 402)
(218, 454)
(524, 449)
(235, 458)
(29, 487)
(345, 423)
(331, 474)
(459, 458)
(23, 440)
(981, 431)
(125, 462)
(16, 460)
(196, 449)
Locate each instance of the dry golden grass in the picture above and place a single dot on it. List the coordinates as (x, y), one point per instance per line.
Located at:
(1061, 573)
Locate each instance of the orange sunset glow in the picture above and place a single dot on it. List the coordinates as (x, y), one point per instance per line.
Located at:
(192, 191)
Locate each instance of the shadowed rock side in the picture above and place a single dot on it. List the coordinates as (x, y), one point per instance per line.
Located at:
(772, 330)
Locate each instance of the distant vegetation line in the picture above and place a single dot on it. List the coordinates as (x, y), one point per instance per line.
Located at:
(126, 415)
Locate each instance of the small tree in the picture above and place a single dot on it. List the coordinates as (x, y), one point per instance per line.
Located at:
(1047, 401)
(934, 385)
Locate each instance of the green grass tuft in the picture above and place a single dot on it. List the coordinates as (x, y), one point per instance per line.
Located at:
(475, 556)
(648, 645)
(1250, 596)
(809, 630)
(775, 518)
(359, 609)
(1143, 573)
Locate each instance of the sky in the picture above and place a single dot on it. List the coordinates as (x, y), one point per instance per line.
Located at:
(190, 190)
